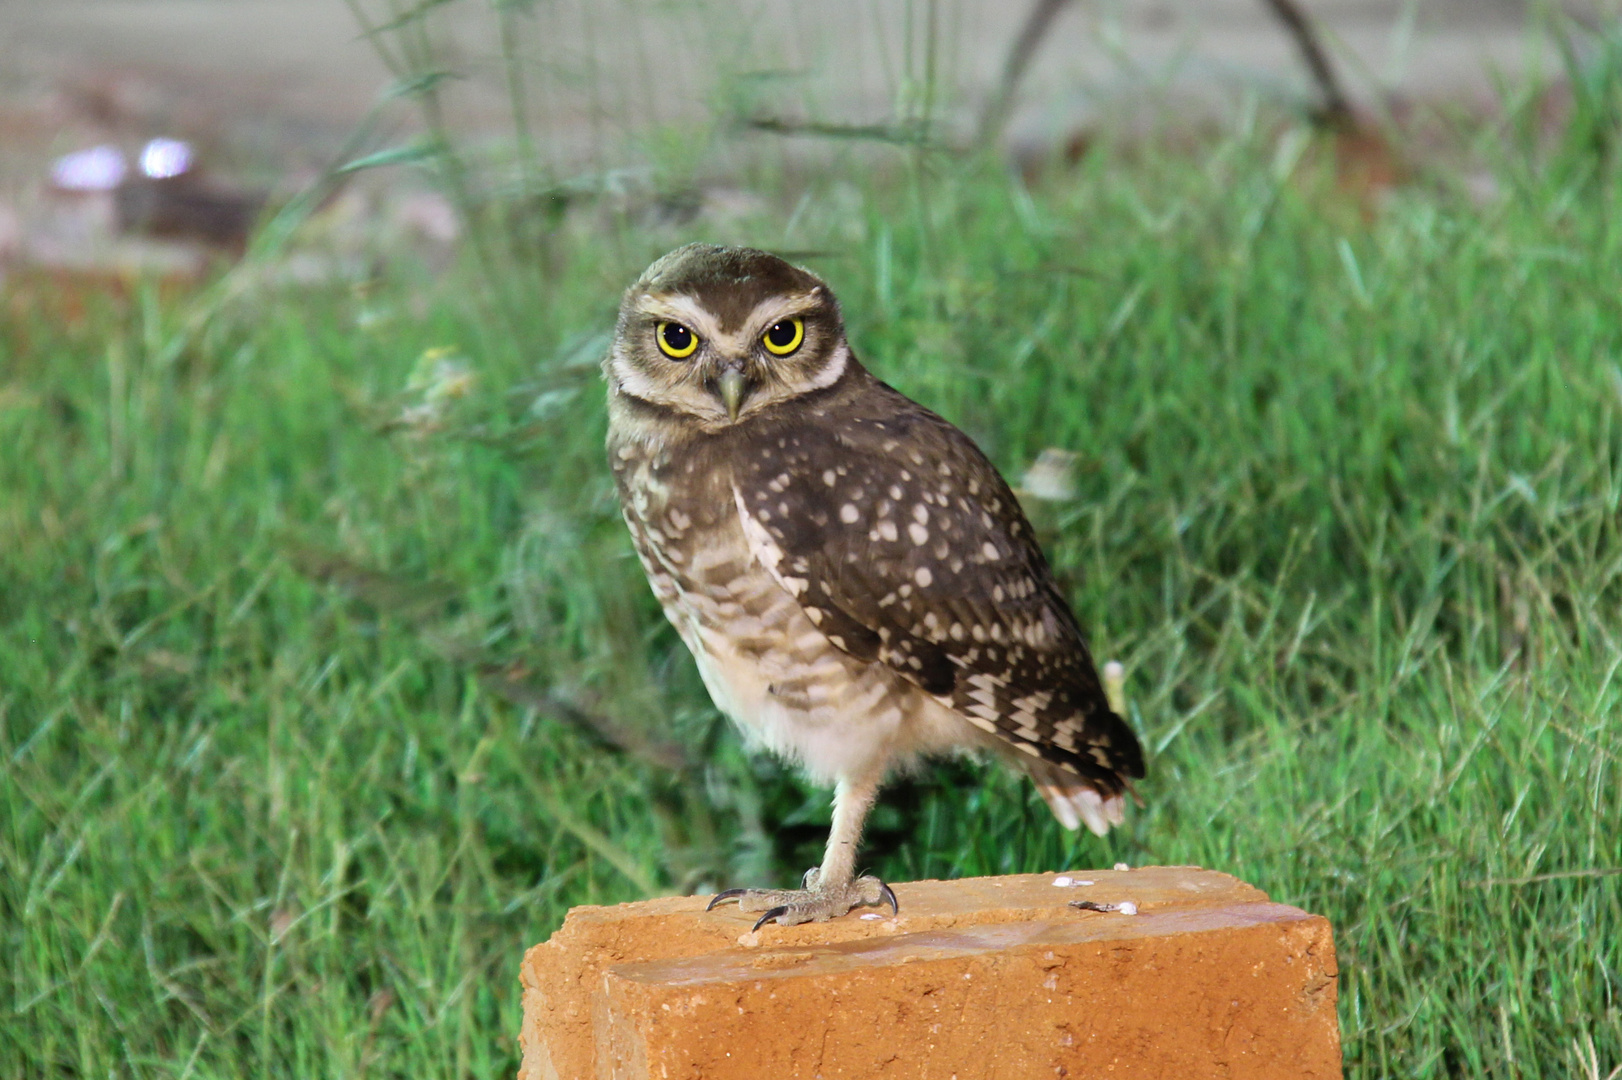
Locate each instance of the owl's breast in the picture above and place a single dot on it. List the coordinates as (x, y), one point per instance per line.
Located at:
(763, 661)
(680, 516)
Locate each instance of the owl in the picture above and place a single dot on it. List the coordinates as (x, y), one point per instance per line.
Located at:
(855, 581)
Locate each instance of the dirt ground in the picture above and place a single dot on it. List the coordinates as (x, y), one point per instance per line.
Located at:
(270, 89)
(284, 75)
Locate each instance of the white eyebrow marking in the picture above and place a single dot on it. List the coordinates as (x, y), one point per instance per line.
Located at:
(687, 310)
(677, 307)
(775, 309)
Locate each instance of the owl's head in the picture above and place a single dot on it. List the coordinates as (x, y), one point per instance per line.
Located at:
(718, 334)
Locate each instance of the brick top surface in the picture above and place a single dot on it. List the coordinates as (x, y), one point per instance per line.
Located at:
(1068, 928)
(925, 905)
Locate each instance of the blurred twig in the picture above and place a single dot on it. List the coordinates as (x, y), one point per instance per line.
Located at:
(424, 605)
(1537, 879)
(908, 134)
(1001, 104)
(513, 682)
(1334, 109)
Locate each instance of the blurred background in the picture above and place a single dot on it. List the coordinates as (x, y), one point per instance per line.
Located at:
(329, 680)
(267, 94)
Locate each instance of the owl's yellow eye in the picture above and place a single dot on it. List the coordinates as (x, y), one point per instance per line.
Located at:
(784, 337)
(675, 340)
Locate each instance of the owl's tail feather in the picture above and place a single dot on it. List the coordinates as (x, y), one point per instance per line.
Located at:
(1074, 801)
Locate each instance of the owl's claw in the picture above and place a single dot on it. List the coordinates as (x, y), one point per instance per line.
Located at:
(771, 913)
(815, 903)
(726, 895)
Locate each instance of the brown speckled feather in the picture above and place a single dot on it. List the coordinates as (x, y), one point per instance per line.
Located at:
(904, 545)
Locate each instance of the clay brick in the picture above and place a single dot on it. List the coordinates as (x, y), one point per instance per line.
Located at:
(984, 977)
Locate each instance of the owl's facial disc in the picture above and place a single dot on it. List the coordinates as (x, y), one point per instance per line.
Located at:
(676, 351)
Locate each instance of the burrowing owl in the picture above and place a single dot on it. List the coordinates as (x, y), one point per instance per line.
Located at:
(855, 580)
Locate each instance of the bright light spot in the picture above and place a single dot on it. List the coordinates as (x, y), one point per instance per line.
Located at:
(100, 168)
(163, 158)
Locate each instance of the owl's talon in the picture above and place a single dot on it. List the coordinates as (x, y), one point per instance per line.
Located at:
(727, 894)
(790, 907)
(771, 913)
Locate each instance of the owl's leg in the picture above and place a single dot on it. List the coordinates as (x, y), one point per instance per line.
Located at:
(833, 888)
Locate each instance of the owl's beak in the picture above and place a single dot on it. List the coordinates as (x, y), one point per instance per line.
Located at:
(733, 389)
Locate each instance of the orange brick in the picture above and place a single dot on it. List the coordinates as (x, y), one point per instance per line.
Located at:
(986, 977)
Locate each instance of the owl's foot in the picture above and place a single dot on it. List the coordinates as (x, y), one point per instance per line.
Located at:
(813, 903)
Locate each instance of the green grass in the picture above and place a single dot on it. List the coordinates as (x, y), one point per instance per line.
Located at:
(315, 712)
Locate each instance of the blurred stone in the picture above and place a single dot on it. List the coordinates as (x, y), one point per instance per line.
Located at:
(162, 159)
(77, 234)
(99, 168)
(183, 207)
(1051, 476)
(11, 235)
(428, 216)
(1367, 165)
